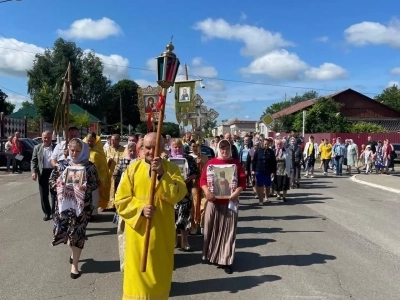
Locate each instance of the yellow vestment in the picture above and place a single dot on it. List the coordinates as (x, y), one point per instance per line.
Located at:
(98, 158)
(132, 195)
(113, 156)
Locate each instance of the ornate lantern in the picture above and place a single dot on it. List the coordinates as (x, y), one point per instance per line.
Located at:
(167, 67)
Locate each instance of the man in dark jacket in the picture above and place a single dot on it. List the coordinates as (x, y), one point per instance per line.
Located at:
(264, 169)
(234, 151)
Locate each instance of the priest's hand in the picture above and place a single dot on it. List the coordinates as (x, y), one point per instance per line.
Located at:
(148, 211)
(156, 165)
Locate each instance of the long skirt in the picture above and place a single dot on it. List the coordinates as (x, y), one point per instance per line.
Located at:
(281, 183)
(219, 234)
(183, 211)
(95, 201)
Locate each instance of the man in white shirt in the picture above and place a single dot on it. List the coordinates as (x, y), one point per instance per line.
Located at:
(41, 168)
(58, 152)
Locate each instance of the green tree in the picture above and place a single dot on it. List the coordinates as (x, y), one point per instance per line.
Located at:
(324, 116)
(208, 126)
(90, 86)
(171, 129)
(45, 100)
(367, 127)
(127, 90)
(390, 97)
(5, 106)
(285, 123)
(80, 119)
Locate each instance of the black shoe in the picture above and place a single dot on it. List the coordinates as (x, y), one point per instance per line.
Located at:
(70, 260)
(46, 218)
(228, 270)
(75, 276)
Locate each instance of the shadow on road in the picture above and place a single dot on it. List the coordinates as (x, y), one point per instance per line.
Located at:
(93, 266)
(257, 230)
(102, 231)
(102, 218)
(267, 218)
(248, 261)
(229, 284)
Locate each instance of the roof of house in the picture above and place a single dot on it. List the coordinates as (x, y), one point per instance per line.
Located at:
(237, 121)
(31, 112)
(302, 105)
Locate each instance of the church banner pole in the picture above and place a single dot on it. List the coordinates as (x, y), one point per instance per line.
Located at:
(167, 69)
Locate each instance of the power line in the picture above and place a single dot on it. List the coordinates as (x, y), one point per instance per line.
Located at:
(208, 78)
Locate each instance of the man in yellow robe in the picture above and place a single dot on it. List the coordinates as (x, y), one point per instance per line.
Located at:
(131, 202)
(98, 158)
(113, 154)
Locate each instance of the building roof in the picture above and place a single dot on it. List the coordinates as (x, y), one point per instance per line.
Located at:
(302, 105)
(237, 121)
(31, 112)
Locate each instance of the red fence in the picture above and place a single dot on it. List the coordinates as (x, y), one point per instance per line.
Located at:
(358, 138)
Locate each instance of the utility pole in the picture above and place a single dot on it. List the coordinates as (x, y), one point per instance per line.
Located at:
(186, 72)
(120, 108)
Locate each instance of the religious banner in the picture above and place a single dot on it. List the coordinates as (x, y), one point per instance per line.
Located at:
(185, 92)
(148, 103)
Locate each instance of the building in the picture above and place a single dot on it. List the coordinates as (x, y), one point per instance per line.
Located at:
(235, 127)
(356, 107)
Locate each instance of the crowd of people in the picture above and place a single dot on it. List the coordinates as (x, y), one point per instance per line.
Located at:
(199, 195)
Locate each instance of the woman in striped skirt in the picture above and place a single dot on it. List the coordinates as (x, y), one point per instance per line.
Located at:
(221, 213)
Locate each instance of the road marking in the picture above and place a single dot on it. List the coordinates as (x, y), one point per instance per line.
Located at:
(378, 186)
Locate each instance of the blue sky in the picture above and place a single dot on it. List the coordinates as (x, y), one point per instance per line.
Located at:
(248, 54)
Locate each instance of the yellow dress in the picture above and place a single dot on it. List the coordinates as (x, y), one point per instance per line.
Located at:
(113, 156)
(132, 195)
(98, 158)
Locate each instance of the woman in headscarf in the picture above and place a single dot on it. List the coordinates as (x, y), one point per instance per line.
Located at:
(184, 207)
(98, 158)
(220, 218)
(74, 201)
(283, 167)
(352, 155)
(129, 157)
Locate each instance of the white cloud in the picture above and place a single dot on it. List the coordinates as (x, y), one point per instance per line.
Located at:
(246, 117)
(115, 66)
(374, 33)
(326, 71)
(243, 16)
(151, 64)
(145, 83)
(17, 100)
(257, 40)
(278, 64)
(392, 83)
(16, 57)
(395, 71)
(322, 39)
(88, 29)
(214, 85)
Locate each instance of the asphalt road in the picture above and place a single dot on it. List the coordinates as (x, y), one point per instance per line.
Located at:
(335, 239)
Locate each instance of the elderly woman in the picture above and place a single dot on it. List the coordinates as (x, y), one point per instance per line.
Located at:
(124, 162)
(221, 216)
(352, 155)
(283, 167)
(183, 208)
(74, 200)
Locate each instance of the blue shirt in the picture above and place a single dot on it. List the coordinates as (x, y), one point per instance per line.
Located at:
(245, 152)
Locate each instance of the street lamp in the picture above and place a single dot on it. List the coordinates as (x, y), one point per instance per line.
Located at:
(167, 69)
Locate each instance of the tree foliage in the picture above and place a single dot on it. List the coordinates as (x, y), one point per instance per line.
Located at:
(367, 127)
(127, 90)
(45, 100)
(169, 128)
(208, 126)
(324, 116)
(390, 97)
(80, 119)
(6, 106)
(285, 123)
(90, 86)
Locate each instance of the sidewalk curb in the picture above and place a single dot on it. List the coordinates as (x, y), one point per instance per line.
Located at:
(385, 188)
